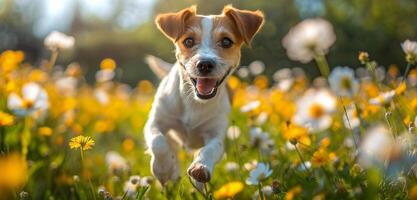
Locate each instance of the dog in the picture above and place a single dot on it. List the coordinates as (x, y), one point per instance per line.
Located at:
(191, 105)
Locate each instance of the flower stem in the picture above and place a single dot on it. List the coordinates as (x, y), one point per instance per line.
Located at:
(387, 118)
(82, 154)
(322, 65)
(301, 158)
(26, 136)
(261, 194)
(349, 124)
(52, 60)
(2, 139)
(407, 69)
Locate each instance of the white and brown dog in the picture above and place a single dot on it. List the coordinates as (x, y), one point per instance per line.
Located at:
(192, 103)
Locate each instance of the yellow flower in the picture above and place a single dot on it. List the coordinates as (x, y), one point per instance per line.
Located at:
(413, 193)
(294, 132)
(6, 119)
(13, 169)
(82, 142)
(261, 82)
(363, 57)
(9, 60)
(325, 142)
(229, 190)
(293, 192)
(45, 131)
(320, 157)
(128, 144)
(233, 82)
(145, 87)
(401, 88)
(108, 63)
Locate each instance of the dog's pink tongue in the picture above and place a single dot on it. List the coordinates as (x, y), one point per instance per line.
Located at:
(205, 85)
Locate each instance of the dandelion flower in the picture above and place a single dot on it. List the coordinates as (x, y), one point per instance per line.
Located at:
(131, 186)
(229, 190)
(260, 173)
(57, 40)
(116, 163)
(81, 142)
(309, 38)
(342, 81)
(6, 119)
(314, 110)
(33, 98)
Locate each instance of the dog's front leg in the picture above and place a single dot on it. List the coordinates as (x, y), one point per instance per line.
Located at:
(164, 163)
(203, 164)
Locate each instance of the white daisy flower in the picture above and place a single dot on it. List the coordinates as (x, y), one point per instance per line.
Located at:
(284, 78)
(258, 137)
(57, 40)
(233, 132)
(262, 118)
(343, 82)
(67, 85)
(33, 98)
(116, 163)
(231, 167)
(309, 38)
(250, 165)
(256, 67)
(260, 173)
(243, 72)
(314, 110)
(266, 190)
(250, 106)
(410, 50)
(383, 98)
(102, 96)
(105, 75)
(375, 146)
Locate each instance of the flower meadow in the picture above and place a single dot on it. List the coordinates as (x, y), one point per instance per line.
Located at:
(348, 134)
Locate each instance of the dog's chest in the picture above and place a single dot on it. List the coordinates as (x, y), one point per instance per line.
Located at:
(196, 116)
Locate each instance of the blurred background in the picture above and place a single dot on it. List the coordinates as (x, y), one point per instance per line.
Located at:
(124, 30)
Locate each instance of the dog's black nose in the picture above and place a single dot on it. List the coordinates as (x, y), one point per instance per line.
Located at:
(205, 66)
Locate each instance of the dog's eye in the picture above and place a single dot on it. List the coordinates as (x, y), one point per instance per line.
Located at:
(226, 43)
(188, 42)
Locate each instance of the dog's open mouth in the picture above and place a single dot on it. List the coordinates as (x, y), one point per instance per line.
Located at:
(205, 88)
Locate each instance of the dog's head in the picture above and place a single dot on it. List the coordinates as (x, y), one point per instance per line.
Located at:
(208, 47)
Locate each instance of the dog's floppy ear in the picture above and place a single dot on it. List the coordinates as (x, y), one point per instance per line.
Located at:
(173, 24)
(247, 22)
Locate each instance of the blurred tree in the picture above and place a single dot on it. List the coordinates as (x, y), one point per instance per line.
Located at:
(127, 32)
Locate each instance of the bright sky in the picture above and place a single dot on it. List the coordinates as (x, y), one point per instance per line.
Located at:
(58, 14)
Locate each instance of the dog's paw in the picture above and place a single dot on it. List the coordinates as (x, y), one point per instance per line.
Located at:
(165, 170)
(199, 172)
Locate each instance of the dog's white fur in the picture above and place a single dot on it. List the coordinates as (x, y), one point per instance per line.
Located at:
(178, 115)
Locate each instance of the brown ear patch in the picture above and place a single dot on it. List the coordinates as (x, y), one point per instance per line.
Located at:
(247, 22)
(172, 25)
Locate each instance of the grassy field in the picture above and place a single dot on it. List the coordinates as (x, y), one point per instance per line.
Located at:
(349, 134)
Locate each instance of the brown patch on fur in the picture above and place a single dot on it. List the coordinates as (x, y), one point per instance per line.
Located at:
(247, 22)
(173, 24)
